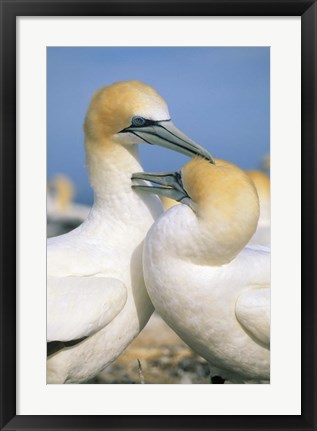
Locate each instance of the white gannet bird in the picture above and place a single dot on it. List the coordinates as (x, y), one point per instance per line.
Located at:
(261, 181)
(212, 289)
(63, 214)
(60, 194)
(96, 297)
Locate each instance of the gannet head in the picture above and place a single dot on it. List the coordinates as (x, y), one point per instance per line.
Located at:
(223, 199)
(131, 112)
(221, 190)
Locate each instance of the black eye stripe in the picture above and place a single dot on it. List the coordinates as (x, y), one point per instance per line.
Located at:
(140, 122)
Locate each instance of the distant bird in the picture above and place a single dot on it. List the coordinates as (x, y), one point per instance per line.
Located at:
(261, 181)
(266, 163)
(61, 193)
(212, 289)
(63, 214)
(97, 301)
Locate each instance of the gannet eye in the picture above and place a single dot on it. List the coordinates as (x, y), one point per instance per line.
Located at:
(138, 121)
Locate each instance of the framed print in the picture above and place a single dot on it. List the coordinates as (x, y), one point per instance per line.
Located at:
(239, 79)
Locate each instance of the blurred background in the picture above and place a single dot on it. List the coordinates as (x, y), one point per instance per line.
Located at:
(220, 97)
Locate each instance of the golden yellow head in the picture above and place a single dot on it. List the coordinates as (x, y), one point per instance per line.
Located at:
(113, 107)
(224, 197)
(222, 183)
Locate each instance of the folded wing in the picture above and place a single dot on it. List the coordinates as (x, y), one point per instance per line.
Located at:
(253, 310)
(80, 306)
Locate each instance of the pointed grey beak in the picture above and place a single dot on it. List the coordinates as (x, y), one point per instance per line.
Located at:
(165, 134)
(171, 182)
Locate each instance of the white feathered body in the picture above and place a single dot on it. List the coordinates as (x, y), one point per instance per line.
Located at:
(199, 301)
(108, 245)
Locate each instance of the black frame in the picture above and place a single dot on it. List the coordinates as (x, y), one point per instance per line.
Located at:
(10, 9)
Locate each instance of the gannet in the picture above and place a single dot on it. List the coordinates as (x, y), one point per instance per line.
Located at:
(266, 163)
(60, 193)
(63, 214)
(96, 297)
(262, 236)
(212, 289)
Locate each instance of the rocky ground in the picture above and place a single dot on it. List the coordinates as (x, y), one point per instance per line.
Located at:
(156, 356)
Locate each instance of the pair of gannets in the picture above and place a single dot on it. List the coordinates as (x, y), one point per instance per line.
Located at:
(211, 288)
(96, 298)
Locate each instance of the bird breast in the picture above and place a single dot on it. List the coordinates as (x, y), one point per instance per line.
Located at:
(198, 302)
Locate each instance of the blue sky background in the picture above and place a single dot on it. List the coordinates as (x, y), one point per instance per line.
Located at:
(220, 97)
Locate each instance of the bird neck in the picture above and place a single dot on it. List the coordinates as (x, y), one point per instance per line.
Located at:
(110, 166)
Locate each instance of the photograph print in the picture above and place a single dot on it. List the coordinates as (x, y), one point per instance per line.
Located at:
(158, 215)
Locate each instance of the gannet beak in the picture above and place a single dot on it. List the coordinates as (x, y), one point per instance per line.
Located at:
(171, 182)
(165, 134)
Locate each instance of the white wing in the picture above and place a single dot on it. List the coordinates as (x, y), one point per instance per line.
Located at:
(80, 306)
(253, 310)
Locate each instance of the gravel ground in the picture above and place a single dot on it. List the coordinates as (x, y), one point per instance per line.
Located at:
(156, 356)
